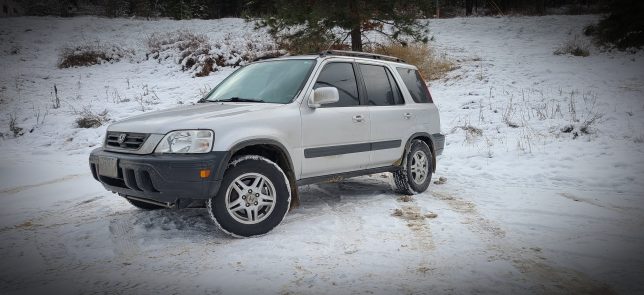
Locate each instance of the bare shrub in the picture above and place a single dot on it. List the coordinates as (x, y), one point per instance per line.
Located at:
(39, 115)
(638, 139)
(56, 99)
(431, 64)
(89, 119)
(201, 56)
(471, 132)
(186, 47)
(508, 115)
(589, 117)
(90, 54)
(13, 126)
(575, 46)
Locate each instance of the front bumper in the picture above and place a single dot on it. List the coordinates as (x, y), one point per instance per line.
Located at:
(165, 178)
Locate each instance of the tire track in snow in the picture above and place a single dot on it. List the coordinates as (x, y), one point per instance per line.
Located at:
(421, 235)
(18, 189)
(347, 241)
(549, 279)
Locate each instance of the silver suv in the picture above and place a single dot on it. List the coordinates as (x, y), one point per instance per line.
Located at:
(273, 125)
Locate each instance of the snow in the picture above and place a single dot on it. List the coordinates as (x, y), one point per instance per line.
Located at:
(525, 209)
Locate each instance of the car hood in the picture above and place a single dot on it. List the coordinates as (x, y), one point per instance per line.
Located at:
(198, 116)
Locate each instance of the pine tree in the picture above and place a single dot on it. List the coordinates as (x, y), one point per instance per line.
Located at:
(178, 9)
(623, 26)
(394, 19)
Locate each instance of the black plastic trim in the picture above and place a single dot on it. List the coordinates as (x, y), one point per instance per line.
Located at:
(383, 145)
(350, 148)
(340, 176)
(431, 146)
(163, 177)
(252, 142)
(439, 143)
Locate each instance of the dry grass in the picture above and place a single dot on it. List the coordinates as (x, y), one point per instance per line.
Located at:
(472, 133)
(13, 126)
(92, 53)
(575, 46)
(192, 50)
(431, 64)
(89, 119)
(195, 52)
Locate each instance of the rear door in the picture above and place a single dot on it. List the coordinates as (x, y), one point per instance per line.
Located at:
(416, 92)
(392, 120)
(335, 137)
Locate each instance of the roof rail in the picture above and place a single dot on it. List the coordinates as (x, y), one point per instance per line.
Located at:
(269, 55)
(362, 54)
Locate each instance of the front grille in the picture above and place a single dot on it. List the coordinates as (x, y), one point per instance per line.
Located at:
(132, 141)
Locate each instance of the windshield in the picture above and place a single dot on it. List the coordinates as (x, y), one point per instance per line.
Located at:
(270, 81)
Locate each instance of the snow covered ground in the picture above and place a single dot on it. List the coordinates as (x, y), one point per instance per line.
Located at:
(533, 202)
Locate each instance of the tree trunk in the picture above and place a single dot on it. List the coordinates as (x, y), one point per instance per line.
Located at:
(469, 4)
(540, 7)
(356, 39)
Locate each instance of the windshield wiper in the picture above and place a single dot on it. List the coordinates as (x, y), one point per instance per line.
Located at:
(238, 99)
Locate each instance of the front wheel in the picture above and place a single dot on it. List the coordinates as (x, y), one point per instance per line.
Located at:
(253, 198)
(416, 172)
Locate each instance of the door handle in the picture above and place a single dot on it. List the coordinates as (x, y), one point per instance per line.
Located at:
(407, 115)
(358, 118)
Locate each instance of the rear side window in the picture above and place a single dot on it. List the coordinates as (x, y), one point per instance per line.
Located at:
(415, 84)
(341, 76)
(378, 82)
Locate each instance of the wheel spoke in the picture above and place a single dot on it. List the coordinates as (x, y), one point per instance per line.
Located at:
(251, 214)
(239, 187)
(236, 204)
(265, 200)
(257, 183)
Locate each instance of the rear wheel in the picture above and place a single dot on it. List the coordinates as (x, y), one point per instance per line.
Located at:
(416, 172)
(253, 199)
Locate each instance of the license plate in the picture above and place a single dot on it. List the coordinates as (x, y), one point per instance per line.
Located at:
(107, 166)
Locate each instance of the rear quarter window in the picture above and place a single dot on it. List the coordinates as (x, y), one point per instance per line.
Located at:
(415, 84)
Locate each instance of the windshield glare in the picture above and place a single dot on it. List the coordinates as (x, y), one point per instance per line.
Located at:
(270, 81)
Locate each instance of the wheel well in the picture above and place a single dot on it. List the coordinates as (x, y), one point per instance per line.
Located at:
(277, 155)
(270, 152)
(428, 141)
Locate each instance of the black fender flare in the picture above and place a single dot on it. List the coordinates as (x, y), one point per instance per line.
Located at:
(426, 137)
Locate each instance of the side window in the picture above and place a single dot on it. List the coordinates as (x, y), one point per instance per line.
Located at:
(379, 88)
(341, 76)
(415, 84)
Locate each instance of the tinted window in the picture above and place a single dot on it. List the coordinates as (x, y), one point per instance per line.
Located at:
(379, 92)
(415, 84)
(341, 76)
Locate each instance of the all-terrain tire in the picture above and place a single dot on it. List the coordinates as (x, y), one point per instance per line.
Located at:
(248, 217)
(404, 179)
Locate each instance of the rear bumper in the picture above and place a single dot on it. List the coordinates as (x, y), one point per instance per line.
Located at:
(165, 178)
(439, 143)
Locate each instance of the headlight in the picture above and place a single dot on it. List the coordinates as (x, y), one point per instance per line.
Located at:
(186, 141)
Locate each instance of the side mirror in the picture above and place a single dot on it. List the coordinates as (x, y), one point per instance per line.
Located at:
(323, 95)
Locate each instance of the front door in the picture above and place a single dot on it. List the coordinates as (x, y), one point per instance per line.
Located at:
(335, 137)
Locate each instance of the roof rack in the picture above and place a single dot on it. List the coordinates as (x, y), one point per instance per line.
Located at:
(362, 54)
